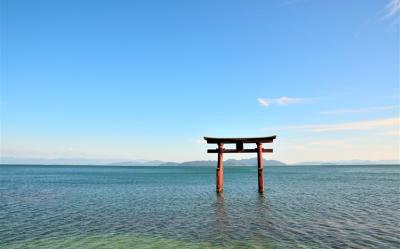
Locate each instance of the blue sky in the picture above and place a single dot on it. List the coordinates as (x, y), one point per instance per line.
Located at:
(147, 79)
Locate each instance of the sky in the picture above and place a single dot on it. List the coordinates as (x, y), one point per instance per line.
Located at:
(146, 80)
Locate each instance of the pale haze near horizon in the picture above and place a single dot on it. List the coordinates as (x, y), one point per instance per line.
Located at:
(146, 80)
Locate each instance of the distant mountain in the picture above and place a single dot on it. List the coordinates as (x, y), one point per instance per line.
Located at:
(138, 163)
(350, 162)
(109, 162)
(53, 161)
(190, 163)
(252, 162)
(229, 162)
(76, 161)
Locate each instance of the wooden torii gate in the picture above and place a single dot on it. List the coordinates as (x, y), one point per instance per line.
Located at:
(239, 149)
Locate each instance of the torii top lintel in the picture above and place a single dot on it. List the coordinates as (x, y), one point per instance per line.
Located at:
(215, 140)
(239, 144)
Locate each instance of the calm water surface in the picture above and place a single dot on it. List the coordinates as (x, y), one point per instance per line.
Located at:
(177, 207)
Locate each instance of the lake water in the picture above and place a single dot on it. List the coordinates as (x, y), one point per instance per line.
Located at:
(177, 207)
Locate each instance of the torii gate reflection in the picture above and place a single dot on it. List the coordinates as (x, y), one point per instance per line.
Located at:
(239, 149)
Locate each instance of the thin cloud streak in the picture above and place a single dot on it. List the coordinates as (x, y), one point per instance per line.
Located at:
(395, 133)
(363, 110)
(282, 101)
(329, 143)
(392, 8)
(263, 102)
(289, 101)
(350, 126)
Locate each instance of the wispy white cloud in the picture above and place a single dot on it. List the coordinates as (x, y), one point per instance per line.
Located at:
(363, 110)
(282, 101)
(394, 133)
(392, 8)
(288, 101)
(263, 102)
(359, 125)
(328, 143)
(325, 147)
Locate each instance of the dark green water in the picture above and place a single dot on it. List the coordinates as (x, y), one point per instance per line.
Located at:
(177, 207)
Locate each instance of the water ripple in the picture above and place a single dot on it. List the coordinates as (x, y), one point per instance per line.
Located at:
(172, 207)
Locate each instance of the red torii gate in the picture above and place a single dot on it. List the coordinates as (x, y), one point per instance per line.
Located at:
(239, 149)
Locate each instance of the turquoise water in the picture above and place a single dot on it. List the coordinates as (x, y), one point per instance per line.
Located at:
(177, 207)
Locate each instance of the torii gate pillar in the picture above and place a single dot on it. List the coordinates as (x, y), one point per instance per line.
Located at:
(239, 149)
(220, 169)
(260, 163)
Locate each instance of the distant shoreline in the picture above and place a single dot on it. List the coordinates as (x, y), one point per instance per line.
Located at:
(227, 163)
(183, 166)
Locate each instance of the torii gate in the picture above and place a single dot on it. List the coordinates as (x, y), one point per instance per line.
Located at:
(239, 149)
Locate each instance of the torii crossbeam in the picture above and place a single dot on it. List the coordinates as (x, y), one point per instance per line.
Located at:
(239, 149)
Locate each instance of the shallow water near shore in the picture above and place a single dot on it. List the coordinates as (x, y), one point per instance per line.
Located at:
(177, 207)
